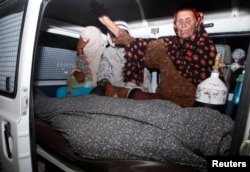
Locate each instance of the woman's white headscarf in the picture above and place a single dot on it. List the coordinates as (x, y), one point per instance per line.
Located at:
(94, 48)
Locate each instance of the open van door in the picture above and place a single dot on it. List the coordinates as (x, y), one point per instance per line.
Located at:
(18, 25)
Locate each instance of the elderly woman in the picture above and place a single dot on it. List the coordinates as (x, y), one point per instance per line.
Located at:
(183, 60)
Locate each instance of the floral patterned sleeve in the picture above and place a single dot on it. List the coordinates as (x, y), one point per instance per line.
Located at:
(135, 49)
(135, 56)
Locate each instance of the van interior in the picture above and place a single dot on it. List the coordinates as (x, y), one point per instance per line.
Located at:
(60, 24)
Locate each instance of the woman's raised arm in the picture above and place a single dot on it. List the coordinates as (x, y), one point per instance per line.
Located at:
(98, 9)
(111, 26)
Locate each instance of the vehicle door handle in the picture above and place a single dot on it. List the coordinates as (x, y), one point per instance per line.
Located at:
(7, 135)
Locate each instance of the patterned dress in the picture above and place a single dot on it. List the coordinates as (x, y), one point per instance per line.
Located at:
(192, 59)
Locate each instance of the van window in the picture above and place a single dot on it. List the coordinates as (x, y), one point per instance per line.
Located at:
(9, 42)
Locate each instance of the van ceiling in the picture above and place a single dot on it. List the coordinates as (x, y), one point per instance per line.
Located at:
(78, 11)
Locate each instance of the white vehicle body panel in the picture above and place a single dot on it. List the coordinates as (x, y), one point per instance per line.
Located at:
(16, 110)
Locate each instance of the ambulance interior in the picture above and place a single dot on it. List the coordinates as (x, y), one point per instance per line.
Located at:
(63, 20)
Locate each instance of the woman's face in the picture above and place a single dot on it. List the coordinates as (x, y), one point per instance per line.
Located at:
(185, 23)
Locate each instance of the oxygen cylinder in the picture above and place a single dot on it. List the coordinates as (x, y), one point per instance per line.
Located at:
(213, 92)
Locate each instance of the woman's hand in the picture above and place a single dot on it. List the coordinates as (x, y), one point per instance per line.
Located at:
(97, 8)
(81, 44)
(79, 76)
